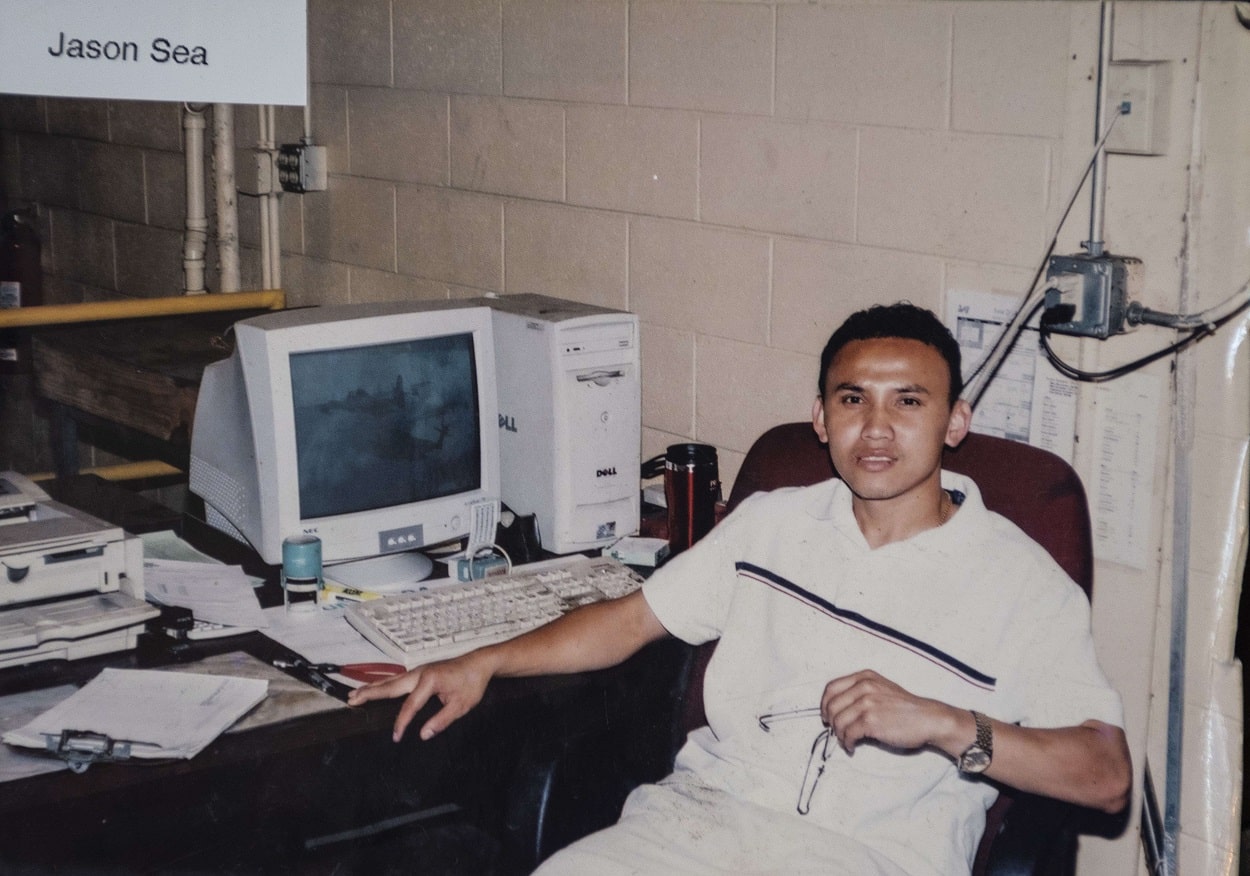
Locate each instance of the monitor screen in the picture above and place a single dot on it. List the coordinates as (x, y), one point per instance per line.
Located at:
(385, 425)
(370, 426)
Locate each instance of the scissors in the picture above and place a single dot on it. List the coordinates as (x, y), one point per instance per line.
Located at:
(318, 674)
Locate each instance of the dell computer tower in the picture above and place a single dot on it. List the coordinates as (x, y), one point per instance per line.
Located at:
(569, 418)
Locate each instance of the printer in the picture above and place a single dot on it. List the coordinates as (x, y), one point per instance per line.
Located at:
(71, 585)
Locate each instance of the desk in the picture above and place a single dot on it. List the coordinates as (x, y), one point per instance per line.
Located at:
(254, 801)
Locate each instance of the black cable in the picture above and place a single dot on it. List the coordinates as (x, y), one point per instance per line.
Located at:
(1010, 342)
(974, 397)
(653, 467)
(1120, 370)
(1111, 374)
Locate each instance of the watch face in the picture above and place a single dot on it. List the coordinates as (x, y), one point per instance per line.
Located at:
(974, 760)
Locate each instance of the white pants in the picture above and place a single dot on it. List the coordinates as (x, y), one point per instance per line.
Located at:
(681, 828)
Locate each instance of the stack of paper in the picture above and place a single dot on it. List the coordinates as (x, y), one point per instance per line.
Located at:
(215, 593)
(154, 713)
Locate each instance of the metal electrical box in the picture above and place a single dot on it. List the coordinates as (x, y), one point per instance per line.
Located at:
(1088, 295)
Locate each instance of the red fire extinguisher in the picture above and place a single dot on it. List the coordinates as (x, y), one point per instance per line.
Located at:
(21, 284)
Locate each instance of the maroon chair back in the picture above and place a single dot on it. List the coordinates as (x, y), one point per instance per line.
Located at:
(1032, 488)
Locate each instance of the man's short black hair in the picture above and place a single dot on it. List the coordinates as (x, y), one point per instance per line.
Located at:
(901, 320)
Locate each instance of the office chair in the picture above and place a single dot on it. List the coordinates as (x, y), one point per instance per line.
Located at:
(568, 791)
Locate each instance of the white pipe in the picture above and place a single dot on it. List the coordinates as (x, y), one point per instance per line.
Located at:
(1098, 192)
(275, 225)
(196, 237)
(264, 146)
(1185, 377)
(227, 200)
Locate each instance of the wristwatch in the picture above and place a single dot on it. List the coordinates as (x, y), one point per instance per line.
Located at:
(976, 759)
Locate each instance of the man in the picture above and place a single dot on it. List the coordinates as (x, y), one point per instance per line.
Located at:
(885, 642)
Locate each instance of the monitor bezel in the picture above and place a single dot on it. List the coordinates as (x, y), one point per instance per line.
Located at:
(265, 347)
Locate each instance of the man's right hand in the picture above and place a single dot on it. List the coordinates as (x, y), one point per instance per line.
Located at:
(459, 685)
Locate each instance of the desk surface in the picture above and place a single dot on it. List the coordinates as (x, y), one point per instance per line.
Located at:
(256, 800)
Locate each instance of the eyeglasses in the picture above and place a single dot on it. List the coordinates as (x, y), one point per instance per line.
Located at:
(815, 768)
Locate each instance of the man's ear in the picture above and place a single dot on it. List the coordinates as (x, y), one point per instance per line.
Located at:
(959, 424)
(818, 420)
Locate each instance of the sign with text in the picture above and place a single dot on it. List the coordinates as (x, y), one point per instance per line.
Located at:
(197, 51)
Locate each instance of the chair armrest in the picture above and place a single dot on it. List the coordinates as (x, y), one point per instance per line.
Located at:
(567, 786)
(562, 791)
(1037, 837)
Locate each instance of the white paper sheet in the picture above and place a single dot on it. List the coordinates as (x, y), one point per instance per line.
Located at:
(215, 593)
(160, 714)
(322, 636)
(17, 710)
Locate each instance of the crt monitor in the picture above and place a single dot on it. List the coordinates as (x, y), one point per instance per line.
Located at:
(370, 426)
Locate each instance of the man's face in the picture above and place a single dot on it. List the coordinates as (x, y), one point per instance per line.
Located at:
(886, 416)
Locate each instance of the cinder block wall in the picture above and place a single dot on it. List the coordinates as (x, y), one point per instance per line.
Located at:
(743, 175)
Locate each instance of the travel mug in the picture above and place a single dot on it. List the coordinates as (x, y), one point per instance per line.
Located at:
(691, 490)
(301, 571)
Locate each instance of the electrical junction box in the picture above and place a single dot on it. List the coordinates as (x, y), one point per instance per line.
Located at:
(1088, 295)
(570, 418)
(1144, 88)
(302, 168)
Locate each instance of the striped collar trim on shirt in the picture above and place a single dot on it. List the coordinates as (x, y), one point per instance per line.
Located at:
(874, 628)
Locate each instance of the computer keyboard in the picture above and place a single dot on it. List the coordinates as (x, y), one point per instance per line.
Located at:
(436, 624)
(72, 628)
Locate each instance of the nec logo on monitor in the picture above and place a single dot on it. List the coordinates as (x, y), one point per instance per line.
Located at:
(407, 538)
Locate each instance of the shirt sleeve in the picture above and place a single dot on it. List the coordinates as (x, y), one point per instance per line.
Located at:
(1059, 680)
(692, 593)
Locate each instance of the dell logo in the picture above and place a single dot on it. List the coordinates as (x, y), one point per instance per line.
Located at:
(508, 424)
(606, 472)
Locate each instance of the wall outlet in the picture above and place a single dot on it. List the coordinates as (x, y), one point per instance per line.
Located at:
(1144, 88)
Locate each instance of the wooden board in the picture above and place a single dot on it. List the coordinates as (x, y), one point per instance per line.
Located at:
(143, 373)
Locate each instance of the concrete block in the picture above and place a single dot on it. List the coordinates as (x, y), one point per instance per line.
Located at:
(82, 247)
(668, 378)
(699, 278)
(452, 236)
(353, 222)
(566, 252)
(744, 389)
(146, 123)
(953, 194)
(817, 285)
(398, 134)
(329, 125)
(110, 180)
(349, 43)
(864, 64)
(448, 45)
(778, 176)
(565, 50)
(149, 260)
(636, 160)
(509, 147)
(708, 56)
(1010, 68)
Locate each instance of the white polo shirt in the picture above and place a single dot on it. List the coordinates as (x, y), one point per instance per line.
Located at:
(972, 613)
